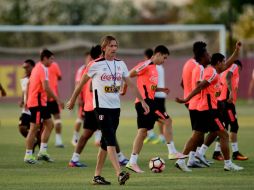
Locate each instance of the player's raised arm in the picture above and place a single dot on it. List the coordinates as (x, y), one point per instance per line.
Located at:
(233, 57)
(76, 92)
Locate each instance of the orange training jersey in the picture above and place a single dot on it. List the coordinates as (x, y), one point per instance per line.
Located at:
(54, 74)
(147, 79)
(187, 76)
(197, 76)
(87, 93)
(37, 96)
(208, 95)
(234, 81)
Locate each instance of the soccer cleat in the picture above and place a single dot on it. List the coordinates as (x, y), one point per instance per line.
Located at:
(123, 162)
(44, 156)
(158, 140)
(59, 145)
(123, 177)
(76, 164)
(149, 138)
(98, 180)
(177, 155)
(195, 164)
(182, 166)
(74, 142)
(232, 167)
(30, 159)
(218, 156)
(238, 156)
(202, 159)
(134, 168)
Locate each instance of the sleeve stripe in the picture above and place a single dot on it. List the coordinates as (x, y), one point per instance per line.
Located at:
(143, 66)
(212, 77)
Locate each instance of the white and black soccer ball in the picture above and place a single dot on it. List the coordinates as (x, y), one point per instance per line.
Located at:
(157, 165)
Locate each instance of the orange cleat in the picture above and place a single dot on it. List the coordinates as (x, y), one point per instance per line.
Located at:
(238, 156)
(218, 156)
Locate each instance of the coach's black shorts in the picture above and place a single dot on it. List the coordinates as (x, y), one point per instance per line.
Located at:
(53, 107)
(24, 120)
(38, 114)
(108, 121)
(208, 121)
(147, 121)
(90, 121)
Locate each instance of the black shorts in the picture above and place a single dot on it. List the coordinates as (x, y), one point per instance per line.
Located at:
(193, 118)
(208, 121)
(229, 115)
(53, 107)
(147, 121)
(160, 104)
(24, 120)
(108, 121)
(38, 114)
(90, 121)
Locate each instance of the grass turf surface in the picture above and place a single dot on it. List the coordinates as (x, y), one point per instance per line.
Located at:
(15, 174)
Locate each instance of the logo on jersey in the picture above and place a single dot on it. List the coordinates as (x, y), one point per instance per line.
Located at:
(106, 77)
(101, 117)
(153, 79)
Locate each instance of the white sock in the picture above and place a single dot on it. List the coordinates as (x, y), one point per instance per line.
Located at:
(234, 147)
(121, 157)
(134, 159)
(44, 147)
(191, 157)
(171, 148)
(75, 157)
(203, 150)
(29, 152)
(97, 136)
(58, 139)
(227, 162)
(217, 147)
(150, 133)
(75, 135)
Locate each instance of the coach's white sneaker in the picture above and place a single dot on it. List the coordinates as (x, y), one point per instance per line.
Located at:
(232, 167)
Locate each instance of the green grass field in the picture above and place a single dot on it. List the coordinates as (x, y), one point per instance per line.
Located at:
(16, 175)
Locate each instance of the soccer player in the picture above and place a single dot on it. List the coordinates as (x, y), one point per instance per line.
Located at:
(54, 76)
(90, 123)
(24, 120)
(192, 74)
(80, 117)
(209, 116)
(38, 89)
(159, 100)
(2, 90)
(107, 74)
(147, 80)
(226, 104)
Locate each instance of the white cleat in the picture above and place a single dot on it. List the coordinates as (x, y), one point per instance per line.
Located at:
(182, 166)
(232, 167)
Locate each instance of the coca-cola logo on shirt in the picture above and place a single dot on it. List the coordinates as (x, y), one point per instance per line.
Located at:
(109, 77)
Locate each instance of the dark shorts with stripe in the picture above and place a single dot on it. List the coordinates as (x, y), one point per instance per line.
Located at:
(148, 121)
(108, 121)
(90, 121)
(24, 120)
(53, 107)
(193, 118)
(208, 121)
(160, 104)
(38, 114)
(229, 115)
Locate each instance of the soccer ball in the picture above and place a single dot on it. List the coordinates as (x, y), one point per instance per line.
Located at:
(157, 164)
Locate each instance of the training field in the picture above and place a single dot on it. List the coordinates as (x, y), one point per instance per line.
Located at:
(16, 175)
